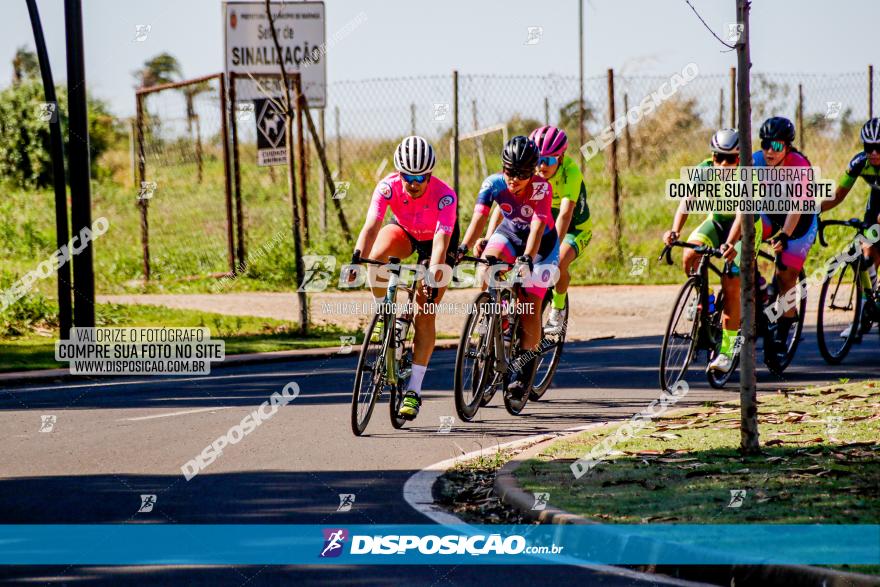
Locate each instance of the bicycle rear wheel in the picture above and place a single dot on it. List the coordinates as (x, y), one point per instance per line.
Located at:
(840, 305)
(680, 339)
(369, 378)
(474, 360)
(550, 349)
(718, 379)
(777, 362)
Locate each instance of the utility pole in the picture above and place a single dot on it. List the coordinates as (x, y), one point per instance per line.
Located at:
(78, 159)
(748, 401)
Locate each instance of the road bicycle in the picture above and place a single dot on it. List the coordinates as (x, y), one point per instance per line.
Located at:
(695, 322)
(385, 360)
(844, 317)
(490, 342)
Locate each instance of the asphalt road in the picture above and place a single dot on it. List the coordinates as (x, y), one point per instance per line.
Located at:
(117, 439)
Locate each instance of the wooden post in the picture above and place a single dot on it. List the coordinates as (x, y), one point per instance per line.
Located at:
(626, 131)
(236, 171)
(749, 443)
(301, 157)
(615, 180)
(322, 187)
(412, 119)
(227, 177)
(546, 111)
(870, 91)
(338, 145)
(800, 117)
(455, 146)
(721, 108)
(733, 118)
(142, 174)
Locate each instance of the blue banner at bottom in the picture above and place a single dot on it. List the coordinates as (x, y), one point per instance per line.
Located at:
(245, 544)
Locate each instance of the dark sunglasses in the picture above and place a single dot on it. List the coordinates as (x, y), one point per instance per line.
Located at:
(414, 178)
(872, 147)
(548, 160)
(725, 157)
(518, 173)
(769, 145)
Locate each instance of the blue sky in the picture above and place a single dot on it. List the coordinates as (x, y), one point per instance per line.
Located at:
(405, 38)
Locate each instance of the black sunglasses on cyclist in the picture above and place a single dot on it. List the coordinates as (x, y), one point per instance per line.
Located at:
(872, 148)
(769, 145)
(518, 173)
(725, 157)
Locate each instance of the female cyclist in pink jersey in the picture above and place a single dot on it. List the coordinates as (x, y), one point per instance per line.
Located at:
(425, 221)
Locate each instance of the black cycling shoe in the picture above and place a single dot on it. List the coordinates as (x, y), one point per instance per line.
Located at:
(522, 383)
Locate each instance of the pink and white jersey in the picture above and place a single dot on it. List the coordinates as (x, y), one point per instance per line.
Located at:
(435, 211)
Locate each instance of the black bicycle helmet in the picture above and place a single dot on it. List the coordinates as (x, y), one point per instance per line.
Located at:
(520, 154)
(871, 131)
(777, 128)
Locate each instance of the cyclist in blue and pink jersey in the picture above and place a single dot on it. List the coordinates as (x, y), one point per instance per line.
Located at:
(425, 221)
(526, 233)
(792, 234)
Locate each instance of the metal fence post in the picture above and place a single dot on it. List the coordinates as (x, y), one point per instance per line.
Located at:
(870, 91)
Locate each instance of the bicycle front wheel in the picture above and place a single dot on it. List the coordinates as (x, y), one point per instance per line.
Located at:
(680, 339)
(369, 377)
(840, 305)
(474, 359)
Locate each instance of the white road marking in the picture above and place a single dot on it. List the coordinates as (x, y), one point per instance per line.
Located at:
(183, 413)
(417, 493)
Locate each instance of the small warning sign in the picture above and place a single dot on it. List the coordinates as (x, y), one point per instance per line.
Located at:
(271, 143)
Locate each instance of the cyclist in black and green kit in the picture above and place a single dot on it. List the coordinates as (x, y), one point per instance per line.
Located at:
(718, 231)
(867, 166)
(569, 208)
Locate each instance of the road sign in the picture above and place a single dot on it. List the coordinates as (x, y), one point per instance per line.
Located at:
(271, 142)
(250, 49)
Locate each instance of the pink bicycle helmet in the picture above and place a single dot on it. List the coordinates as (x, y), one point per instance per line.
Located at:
(550, 140)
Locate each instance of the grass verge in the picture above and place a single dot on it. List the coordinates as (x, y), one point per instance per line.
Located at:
(820, 463)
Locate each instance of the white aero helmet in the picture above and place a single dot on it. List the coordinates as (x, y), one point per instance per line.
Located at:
(414, 155)
(725, 140)
(871, 131)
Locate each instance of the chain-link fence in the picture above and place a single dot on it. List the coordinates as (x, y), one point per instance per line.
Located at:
(183, 200)
(363, 121)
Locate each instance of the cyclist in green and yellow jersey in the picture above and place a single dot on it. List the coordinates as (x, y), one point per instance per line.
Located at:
(717, 231)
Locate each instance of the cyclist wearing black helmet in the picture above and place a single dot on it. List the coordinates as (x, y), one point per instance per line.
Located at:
(867, 166)
(526, 232)
(792, 234)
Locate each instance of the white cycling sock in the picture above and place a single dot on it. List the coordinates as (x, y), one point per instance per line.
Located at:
(415, 380)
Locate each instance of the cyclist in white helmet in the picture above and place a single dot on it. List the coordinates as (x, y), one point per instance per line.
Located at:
(425, 221)
(718, 231)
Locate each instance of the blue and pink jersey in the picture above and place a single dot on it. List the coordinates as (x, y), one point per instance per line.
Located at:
(518, 210)
(434, 211)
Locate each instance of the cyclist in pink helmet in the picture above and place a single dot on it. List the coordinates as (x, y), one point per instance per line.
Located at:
(569, 206)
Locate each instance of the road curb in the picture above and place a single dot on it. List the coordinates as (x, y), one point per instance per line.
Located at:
(509, 491)
(62, 375)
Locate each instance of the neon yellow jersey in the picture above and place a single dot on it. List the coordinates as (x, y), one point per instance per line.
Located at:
(568, 183)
